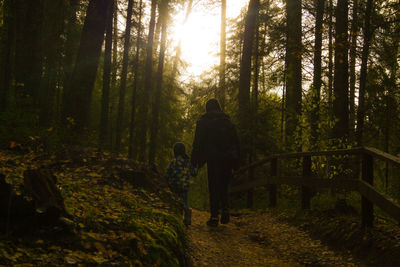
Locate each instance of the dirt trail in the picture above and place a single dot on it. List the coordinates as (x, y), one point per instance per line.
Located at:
(257, 239)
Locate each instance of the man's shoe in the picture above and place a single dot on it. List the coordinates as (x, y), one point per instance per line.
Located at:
(213, 222)
(225, 218)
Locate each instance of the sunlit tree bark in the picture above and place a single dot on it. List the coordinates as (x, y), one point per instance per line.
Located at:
(221, 93)
(157, 32)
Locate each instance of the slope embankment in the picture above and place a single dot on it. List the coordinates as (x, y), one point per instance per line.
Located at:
(119, 213)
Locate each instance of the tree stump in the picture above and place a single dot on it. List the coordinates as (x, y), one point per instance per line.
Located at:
(40, 184)
(19, 214)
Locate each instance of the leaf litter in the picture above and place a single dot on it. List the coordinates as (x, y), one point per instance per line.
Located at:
(118, 216)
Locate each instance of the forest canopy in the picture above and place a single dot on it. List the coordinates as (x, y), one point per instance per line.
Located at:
(294, 75)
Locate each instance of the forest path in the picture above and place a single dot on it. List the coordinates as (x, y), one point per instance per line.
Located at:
(257, 239)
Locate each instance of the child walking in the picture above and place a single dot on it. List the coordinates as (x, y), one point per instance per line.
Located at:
(179, 172)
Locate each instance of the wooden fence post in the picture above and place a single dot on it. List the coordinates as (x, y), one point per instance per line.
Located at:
(272, 187)
(250, 192)
(367, 175)
(305, 191)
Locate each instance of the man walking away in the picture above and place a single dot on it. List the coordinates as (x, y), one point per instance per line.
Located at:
(216, 143)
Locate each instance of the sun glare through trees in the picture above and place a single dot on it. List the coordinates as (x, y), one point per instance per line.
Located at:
(200, 34)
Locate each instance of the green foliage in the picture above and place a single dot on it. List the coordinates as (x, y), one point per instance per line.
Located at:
(17, 125)
(20, 128)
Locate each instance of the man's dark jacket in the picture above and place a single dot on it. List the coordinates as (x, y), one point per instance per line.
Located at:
(215, 139)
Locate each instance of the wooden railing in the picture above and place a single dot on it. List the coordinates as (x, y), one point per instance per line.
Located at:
(364, 186)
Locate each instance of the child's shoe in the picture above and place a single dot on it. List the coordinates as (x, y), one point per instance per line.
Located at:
(187, 219)
(225, 218)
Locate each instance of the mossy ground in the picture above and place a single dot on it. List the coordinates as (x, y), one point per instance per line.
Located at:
(120, 213)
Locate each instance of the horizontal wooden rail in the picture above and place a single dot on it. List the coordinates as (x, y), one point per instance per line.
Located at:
(382, 155)
(363, 188)
(346, 184)
(380, 200)
(370, 196)
(339, 152)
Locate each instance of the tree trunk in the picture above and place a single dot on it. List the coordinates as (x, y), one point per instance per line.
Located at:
(105, 97)
(115, 46)
(283, 105)
(316, 92)
(330, 56)
(44, 207)
(71, 46)
(29, 22)
(254, 94)
(340, 82)
(390, 104)
(156, 35)
(124, 72)
(53, 11)
(40, 185)
(262, 48)
(221, 95)
(6, 52)
(114, 73)
(135, 82)
(253, 113)
(256, 72)
(144, 107)
(159, 80)
(353, 57)
(245, 74)
(79, 96)
(293, 69)
(363, 73)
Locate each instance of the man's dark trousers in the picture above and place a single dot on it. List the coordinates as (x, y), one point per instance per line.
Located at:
(219, 175)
